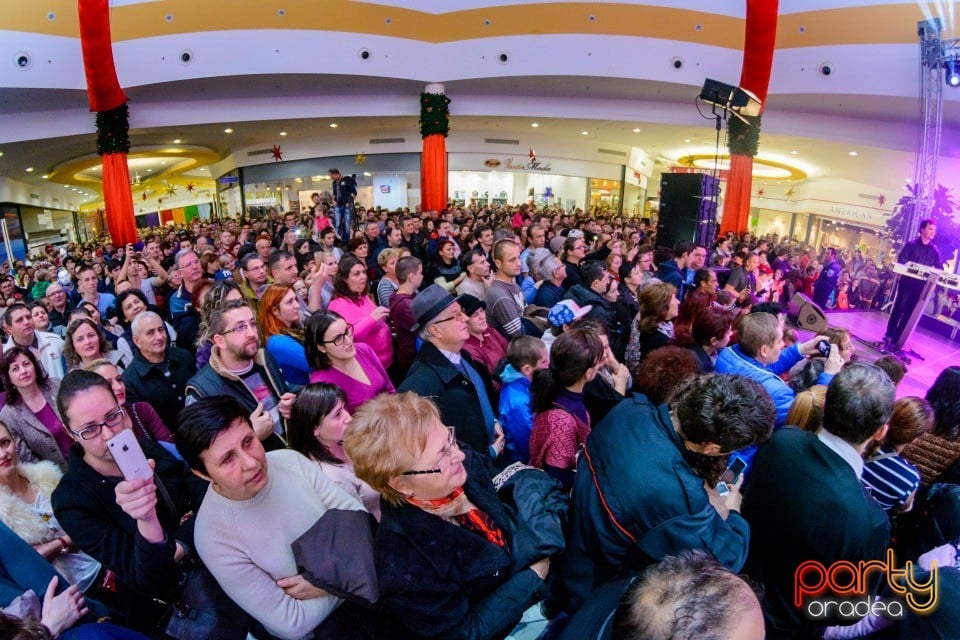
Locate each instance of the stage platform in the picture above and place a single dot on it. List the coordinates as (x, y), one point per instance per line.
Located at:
(938, 351)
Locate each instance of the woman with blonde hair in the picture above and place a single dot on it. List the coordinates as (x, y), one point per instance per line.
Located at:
(806, 411)
(388, 285)
(279, 316)
(448, 555)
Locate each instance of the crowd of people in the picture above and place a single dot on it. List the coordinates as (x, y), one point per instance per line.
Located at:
(425, 427)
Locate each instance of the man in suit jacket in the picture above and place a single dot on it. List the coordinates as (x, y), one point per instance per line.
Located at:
(804, 500)
(446, 374)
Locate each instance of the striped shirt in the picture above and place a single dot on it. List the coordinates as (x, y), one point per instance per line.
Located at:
(890, 479)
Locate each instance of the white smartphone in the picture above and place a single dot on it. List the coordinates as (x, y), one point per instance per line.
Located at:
(129, 456)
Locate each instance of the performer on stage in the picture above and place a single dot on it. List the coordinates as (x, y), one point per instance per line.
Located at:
(921, 251)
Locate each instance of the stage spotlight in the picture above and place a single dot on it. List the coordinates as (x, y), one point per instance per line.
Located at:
(952, 68)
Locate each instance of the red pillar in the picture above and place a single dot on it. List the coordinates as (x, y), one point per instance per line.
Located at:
(434, 127)
(760, 36)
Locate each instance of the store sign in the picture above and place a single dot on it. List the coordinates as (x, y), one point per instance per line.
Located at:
(863, 215)
(384, 188)
(533, 165)
(229, 180)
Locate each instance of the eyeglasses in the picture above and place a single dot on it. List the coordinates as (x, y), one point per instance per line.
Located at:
(90, 432)
(340, 337)
(444, 462)
(459, 315)
(241, 328)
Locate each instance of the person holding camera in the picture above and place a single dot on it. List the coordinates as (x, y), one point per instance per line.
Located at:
(344, 191)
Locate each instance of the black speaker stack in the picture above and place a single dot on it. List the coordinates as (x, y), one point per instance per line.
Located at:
(688, 209)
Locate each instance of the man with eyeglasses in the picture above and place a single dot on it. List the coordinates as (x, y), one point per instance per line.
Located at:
(238, 367)
(445, 373)
(184, 315)
(253, 272)
(58, 308)
(135, 530)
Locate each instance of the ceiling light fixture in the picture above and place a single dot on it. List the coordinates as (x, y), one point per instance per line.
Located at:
(852, 153)
(228, 130)
(29, 169)
(583, 133)
(334, 125)
(534, 124)
(177, 141)
(636, 129)
(687, 140)
(794, 152)
(283, 133)
(45, 176)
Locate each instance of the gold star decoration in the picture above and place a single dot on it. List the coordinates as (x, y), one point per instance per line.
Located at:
(171, 190)
(360, 158)
(790, 192)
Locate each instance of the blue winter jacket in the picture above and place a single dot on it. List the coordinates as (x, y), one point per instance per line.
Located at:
(516, 417)
(734, 360)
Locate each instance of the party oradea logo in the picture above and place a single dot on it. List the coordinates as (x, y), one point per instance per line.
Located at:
(844, 589)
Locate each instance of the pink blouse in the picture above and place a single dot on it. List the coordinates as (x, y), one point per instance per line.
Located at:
(366, 330)
(358, 392)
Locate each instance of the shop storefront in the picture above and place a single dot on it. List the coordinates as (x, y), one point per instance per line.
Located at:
(820, 223)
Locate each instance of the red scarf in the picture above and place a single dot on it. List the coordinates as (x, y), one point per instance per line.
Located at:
(473, 519)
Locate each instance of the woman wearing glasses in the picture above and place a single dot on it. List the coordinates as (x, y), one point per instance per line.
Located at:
(30, 411)
(130, 526)
(337, 358)
(446, 551)
(351, 299)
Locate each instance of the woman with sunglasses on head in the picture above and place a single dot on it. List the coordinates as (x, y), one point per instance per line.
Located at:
(337, 358)
(449, 558)
(30, 411)
(317, 423)
(352, 301)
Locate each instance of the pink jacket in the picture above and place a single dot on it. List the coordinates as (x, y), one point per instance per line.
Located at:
(375, 333)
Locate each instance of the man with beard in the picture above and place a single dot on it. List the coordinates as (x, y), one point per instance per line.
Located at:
(238, 367)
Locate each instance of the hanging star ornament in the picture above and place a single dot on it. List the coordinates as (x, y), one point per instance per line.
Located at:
(881, 199)
(360, 158)
(277, 154)
(760, 193)
(533, 155)
(191, 187)
(790, 192)
(171, 190)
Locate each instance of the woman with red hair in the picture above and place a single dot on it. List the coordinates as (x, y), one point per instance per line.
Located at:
(279, 319)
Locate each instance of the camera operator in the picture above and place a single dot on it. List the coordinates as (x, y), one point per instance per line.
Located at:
(344, 191)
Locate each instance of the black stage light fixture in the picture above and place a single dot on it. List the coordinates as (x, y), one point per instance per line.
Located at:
(737, 100)
(952, 76)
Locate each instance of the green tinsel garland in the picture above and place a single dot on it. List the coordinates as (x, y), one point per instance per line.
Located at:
(434, 114)
(113, 130)
(744, 139)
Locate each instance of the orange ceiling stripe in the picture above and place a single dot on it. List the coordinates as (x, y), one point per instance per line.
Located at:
(886, 24)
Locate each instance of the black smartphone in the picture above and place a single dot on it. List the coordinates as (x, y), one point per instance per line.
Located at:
(824, 348)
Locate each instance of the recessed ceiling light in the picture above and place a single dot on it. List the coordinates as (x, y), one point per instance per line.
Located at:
(636, 129)
(163, 162)
(794, 152)
(852, 153)
(228, 130)
(1, 154)
(334, 125)
(29, 169)
(583, 133)
(534, 124)
(203, 168)
(149, 170)
(45, 176)
(177, 141)
(283, 133)
(367, 173)
(298, 179)
(907, 180)
(687, 140)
